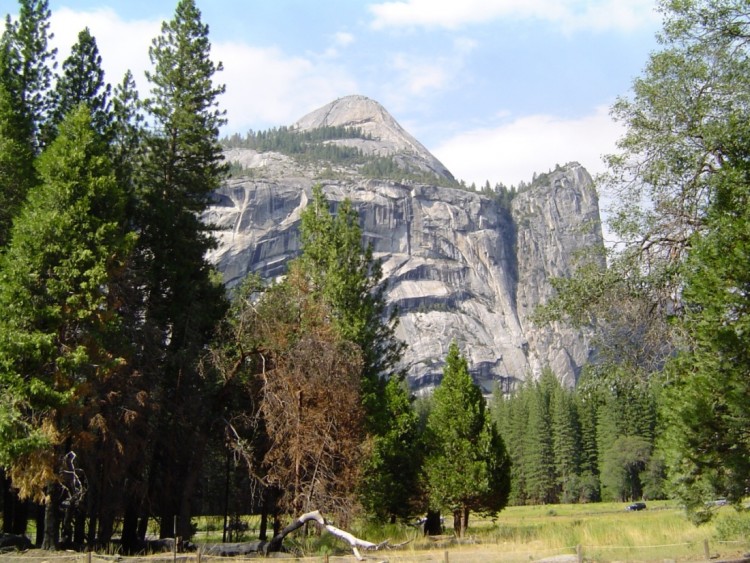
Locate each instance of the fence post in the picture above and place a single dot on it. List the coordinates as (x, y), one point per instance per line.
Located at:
(706, 551)
(579, 553)
(174, 544)
(446, 556)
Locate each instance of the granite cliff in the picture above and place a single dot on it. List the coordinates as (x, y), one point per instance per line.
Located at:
(460, 264)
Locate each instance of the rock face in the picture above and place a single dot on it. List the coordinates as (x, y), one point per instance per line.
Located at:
(459, 265)
(388, 137)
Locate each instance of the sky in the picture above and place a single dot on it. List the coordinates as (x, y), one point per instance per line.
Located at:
(496, 89)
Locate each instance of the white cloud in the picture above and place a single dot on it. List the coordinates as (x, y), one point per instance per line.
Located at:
(123, 45)
(343, 39)
(419, 76)
(570, 15)
(267, 87)
(264, 86)
(513, 151)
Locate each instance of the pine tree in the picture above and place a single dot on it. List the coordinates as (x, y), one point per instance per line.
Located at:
(467, 467)
(706, 407)
(347, 276)
(183, 297)
(390, 487)
(26, 65)
(82, 81)
(586, 407)
(343, 273)
(17, 174)
(59, 318)
(566, 444)
(538, 459)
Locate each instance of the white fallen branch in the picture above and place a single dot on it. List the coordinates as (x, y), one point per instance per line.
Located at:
(317, 517)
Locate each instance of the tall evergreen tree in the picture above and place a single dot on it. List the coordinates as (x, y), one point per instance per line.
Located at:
(467, 467)
(344, 271)
(391, 487)
(17, 173)
(539, 458)
(183, 296)
(586, 407)
(706, 412)
(82, 81)
(566, 444)
(59, 320)
(27, 63)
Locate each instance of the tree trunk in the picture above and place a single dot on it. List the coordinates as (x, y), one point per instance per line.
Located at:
(15, 511)
(51, 529)
(130, 527)
(188, 486)
(432, 525)
(263, 532)
(40, 510)
(466, 518)
(457, 522)
(79, 528)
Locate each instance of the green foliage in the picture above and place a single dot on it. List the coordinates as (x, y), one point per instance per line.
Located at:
(539, 456)
(706, 397)
(82, 81)
(467, 467)
(390, 488)
(344, 274)
(182, 297)
(17, 173)
(623, 462)
(566, 443)
(59, 319)
(26, 64)
(347, 277)
(291, 141)
(685, 155)
(315, 145)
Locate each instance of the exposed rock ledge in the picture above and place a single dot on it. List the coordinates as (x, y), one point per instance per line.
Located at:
(459, 266)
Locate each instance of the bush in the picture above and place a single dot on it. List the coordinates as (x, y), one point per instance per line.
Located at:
(734, 526)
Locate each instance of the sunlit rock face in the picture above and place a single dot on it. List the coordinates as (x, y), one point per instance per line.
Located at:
(458, 265)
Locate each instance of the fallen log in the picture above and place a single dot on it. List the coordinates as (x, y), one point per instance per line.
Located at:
(317, 517)
(237, 549)
(275, 544)
(18, 542)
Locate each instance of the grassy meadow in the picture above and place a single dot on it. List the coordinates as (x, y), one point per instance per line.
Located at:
(604, 532)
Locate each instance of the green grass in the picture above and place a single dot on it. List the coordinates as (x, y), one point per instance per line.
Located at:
(605, 532)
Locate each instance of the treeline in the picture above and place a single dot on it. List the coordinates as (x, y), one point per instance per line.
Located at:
(289, 140)
(306, 146)
(313, 146)
(590, 443)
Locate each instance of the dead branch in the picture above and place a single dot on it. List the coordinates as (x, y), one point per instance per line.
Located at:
(317, 517)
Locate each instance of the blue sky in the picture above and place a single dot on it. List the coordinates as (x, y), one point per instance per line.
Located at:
(497, 89)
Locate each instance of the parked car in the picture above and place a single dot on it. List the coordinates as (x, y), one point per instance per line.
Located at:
(636, 506)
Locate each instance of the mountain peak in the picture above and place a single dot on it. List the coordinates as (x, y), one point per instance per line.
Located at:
(385, 137)
(352, 111)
